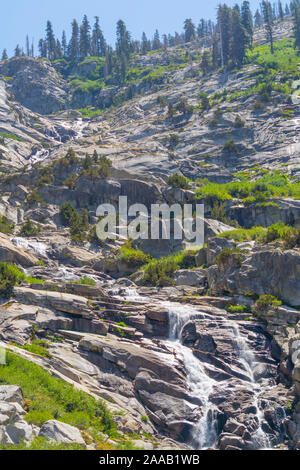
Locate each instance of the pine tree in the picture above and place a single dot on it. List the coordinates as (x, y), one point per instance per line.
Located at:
(258, 21)
(145, 44)
(201, 30)
(189, 30)
(74, 42)
(123, 40)
(247, 19)
(42, 48)
(280, 11)
(205, 62)
(4, 55)
(59, 51)
(85, 38)
(64, 44)
(165, 42)
(27, 46)
(156, 44)
(50, 41)
(224, 29)
(18, 51)
(287, 10)
(296, 17)
(98, 43)
(268, 18)
(240, 39)
(216, 56)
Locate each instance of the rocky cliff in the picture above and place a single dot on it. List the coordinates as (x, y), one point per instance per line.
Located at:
(204, 355)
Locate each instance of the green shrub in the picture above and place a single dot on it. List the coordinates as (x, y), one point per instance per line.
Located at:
(173, 140)
(85, 280)
(234, 254)
(178, 181)
(291, 238)
(41, 443)
(11, 275)
(239, 122)
(266, 301)
(230, 147)
(238, 309)
(78, 224)
(5, 226)
(29, 229)
(133, 258)
(46, 176)
(34, 198)
(158, 272)
(70, 182)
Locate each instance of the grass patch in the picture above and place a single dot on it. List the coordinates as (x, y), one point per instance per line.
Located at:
(158, 272)
(266, 185)
(133, 258)
(9, 135)
(48, 397)
(86, 281)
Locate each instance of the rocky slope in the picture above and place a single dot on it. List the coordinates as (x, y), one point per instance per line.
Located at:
(178, 367)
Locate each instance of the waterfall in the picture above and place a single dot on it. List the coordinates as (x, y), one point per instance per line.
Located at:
(247, 359)
(204, 434)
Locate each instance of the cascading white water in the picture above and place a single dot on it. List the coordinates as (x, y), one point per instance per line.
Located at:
(247, 359)
(204, 434)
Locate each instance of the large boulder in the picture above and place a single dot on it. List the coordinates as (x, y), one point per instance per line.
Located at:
(263, 271)
(188, 277)
(9, 253)
(36, 84)
(11, 394)
(61, 432)
(69, 303)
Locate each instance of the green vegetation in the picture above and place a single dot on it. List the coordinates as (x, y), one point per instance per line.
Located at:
(78, 224)
(34, 198)
(266, 301)
(9, 135)
(158, 272)
(285, 58)
(238, 309)
(29, 229)
(37, 347)
(70, 182)
(131, 257)
(178, 181)
(230, 147)
(48, 397)
(5, 226)
(239, 122)
(40, 443)
(45, 176)
(234, 254)
(90, 112)
(266, 185)
(277, 232)
(87, 281)
(11, 275)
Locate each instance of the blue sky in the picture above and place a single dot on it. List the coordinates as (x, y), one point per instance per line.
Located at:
(20, 17)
